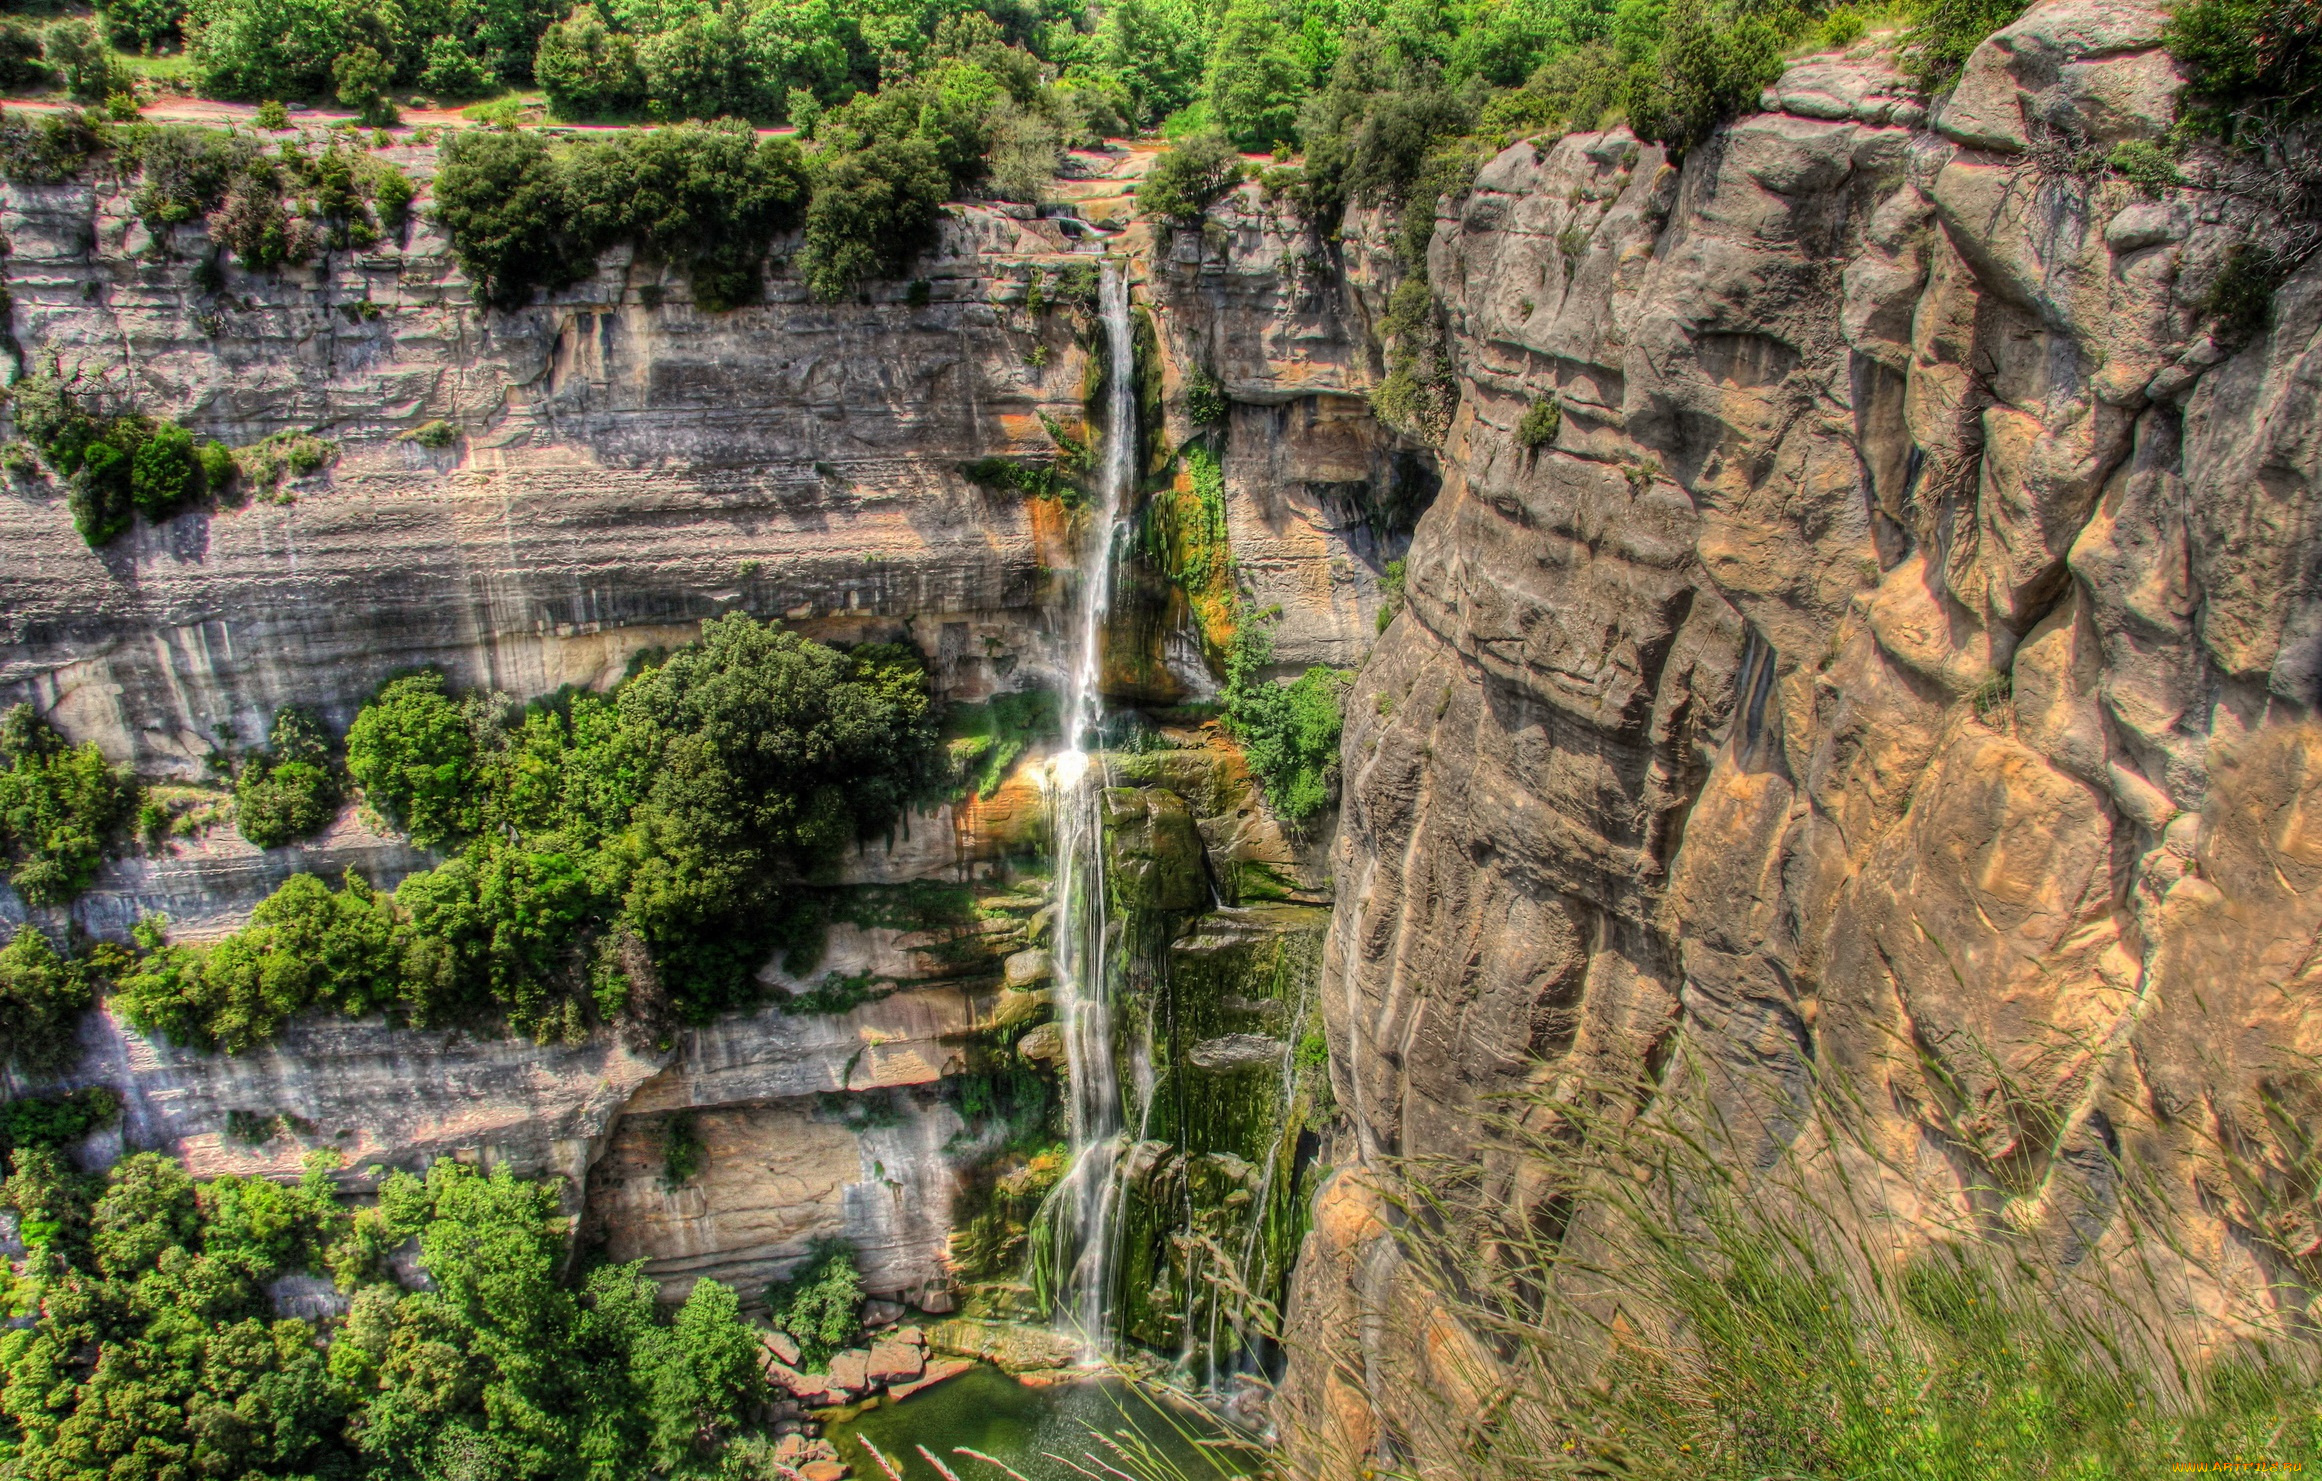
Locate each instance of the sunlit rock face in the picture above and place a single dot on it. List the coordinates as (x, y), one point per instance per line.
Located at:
(1896, 674)
(620, 467)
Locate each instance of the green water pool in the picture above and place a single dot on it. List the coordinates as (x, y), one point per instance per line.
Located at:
(1042, 1432)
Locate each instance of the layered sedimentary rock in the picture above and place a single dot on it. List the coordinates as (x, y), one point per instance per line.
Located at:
(1894, 675)
(620, 466)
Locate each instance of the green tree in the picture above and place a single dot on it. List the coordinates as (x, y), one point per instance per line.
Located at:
(588, 68)
(1289, 733)
(142, 25)
(413, 753)
(1155, 51)
(83, 62)
(58, 805)
(42, 996)
(501, 197)
(1187, 177)
(707, 196)
(291, 790)
(259, 49)
(873, 210)
(701, 1375)
(361, 76)
(1257, 76)
(454, 71)
(818, 1304)
(165, 475)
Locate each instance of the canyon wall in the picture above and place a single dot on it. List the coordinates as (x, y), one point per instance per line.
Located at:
(622, 467)
(1894, 676)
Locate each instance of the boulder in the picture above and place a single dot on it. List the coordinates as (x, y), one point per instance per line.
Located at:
(1044, 1045)
(850, 1372)
(895, 1362)
(823, 1470)
(780, 1346)
(1153, 853)
(880, 1312)
(935, 1373)
(1015, 1007)
(1028, 968)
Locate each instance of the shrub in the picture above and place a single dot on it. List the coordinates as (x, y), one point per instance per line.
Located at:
(2263, 56)
(1540, 423)
(291, 790)
(655, 832)
(437, 435)
(272, 116)
(502, 199)
(818, 1304)
(47, 149)
(1288, 732)
(1945, 33)
(708, 197)
(58, 806)
(1391, 595)
(2240, 299)
(872, 211)
(1205, 400)
(266, 463)
(218, 467)
(2146, 166)
(58, 1120)
(413, 753)
(185, 172)
(392, 192)
(360, 77)
(165, 475)
(1711, 63)
(20, 60)
(1187, 177)
(683, 1152)
(42, 995)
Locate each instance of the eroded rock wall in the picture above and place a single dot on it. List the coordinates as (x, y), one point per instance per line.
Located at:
(1894, 674)
(624, 466)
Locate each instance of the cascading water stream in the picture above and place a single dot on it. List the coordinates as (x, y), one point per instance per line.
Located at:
(1085, 1200)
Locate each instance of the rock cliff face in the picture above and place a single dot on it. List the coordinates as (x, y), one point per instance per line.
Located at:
(625, 466)
(1895, 674)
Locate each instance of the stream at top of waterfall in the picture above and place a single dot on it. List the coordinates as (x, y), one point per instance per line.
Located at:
(987, 1426)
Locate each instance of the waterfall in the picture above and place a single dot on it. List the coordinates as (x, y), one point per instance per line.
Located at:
(1085, 1201)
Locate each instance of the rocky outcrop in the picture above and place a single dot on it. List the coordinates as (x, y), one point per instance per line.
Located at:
(1894, 675)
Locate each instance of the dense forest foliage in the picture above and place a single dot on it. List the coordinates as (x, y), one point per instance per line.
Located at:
(620, 857)
(903, 104)
(150, 1347)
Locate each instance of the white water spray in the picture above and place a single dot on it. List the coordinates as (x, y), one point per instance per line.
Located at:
(1088, 1196)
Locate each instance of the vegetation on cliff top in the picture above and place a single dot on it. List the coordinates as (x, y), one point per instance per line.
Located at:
(618, 857)
(153, 1348)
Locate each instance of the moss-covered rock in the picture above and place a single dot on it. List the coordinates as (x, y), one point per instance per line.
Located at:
(1153, 853)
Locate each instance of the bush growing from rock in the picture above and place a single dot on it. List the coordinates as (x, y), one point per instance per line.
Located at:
(819, 1304)
(58, 806)
(291, 789)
